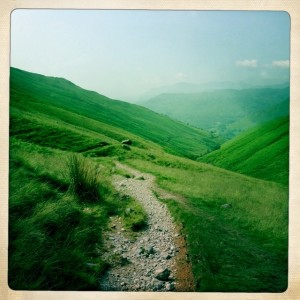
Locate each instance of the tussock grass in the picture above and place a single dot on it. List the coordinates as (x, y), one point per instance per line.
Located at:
(134, 215)
(51, 238)
(84, 180)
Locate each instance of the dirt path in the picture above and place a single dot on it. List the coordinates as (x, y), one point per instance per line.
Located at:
(156, 259)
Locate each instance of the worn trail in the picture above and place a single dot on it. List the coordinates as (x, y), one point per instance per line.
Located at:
(156, 259)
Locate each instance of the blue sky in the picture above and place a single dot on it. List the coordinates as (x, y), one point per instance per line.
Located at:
(125, 53)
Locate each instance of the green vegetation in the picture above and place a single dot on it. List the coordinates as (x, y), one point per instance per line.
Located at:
(59, 207)
(54, 239)
(41, 94)
(262, 152)
(84, 180)
(63, 146)
(225, 113)
(134, 216)
(238, 249)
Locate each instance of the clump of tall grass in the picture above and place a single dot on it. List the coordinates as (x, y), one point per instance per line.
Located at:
(55, 241)
(84, 179)
(134, 216)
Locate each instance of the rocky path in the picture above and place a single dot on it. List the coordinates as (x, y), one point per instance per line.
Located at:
(155, 260)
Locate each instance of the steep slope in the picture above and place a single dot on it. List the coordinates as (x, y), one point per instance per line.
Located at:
(224, 112)
(262, 152)
(33, 92)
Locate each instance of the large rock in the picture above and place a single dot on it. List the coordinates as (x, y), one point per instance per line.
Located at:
(157, 286)
(226, 205)
(149, 250)
(162, 274)
(170, 286)
(165, 255)
(126, 142)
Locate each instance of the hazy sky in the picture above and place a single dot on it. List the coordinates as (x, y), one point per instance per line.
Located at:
(124, 53)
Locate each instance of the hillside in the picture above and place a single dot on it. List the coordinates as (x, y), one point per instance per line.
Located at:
(224, 112)
(47, 94)
(262, 152)
(63, 161)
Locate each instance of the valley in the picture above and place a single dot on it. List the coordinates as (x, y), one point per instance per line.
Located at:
(225, 113)
(227, 202)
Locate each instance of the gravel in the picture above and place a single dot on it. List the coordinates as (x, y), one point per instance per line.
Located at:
(145, 263)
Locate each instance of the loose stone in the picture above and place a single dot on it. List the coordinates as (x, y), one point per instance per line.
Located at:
(162, 274)
(150, 256)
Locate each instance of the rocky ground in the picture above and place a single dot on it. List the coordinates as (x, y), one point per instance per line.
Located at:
(155, 259)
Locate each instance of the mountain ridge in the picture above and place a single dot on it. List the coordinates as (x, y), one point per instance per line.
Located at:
(191, 88)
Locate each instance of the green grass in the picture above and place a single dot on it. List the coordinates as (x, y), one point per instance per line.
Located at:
(52, 240)
(134, 216)
(239, 249)
(57, 220)
(30, 91)
(59, 207)
(84, 180)
(262, 152)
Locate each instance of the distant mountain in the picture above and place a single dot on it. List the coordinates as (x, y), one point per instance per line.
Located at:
(37, 93)
(192, 88)
(224, 112)
(262, 152)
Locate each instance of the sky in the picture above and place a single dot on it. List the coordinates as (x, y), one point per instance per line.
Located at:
(125, 53)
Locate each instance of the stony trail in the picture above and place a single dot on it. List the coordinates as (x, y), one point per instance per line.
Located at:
(156, 259)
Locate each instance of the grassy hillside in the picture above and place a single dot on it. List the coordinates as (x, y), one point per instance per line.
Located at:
(240, 248)
(262, 152)
(47, 94)
(224, 112)
(55, 229)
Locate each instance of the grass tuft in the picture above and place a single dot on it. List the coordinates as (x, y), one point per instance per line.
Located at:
(84, 180)
(134, 216)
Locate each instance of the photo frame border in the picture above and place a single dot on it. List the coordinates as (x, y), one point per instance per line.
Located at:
(292, 7)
